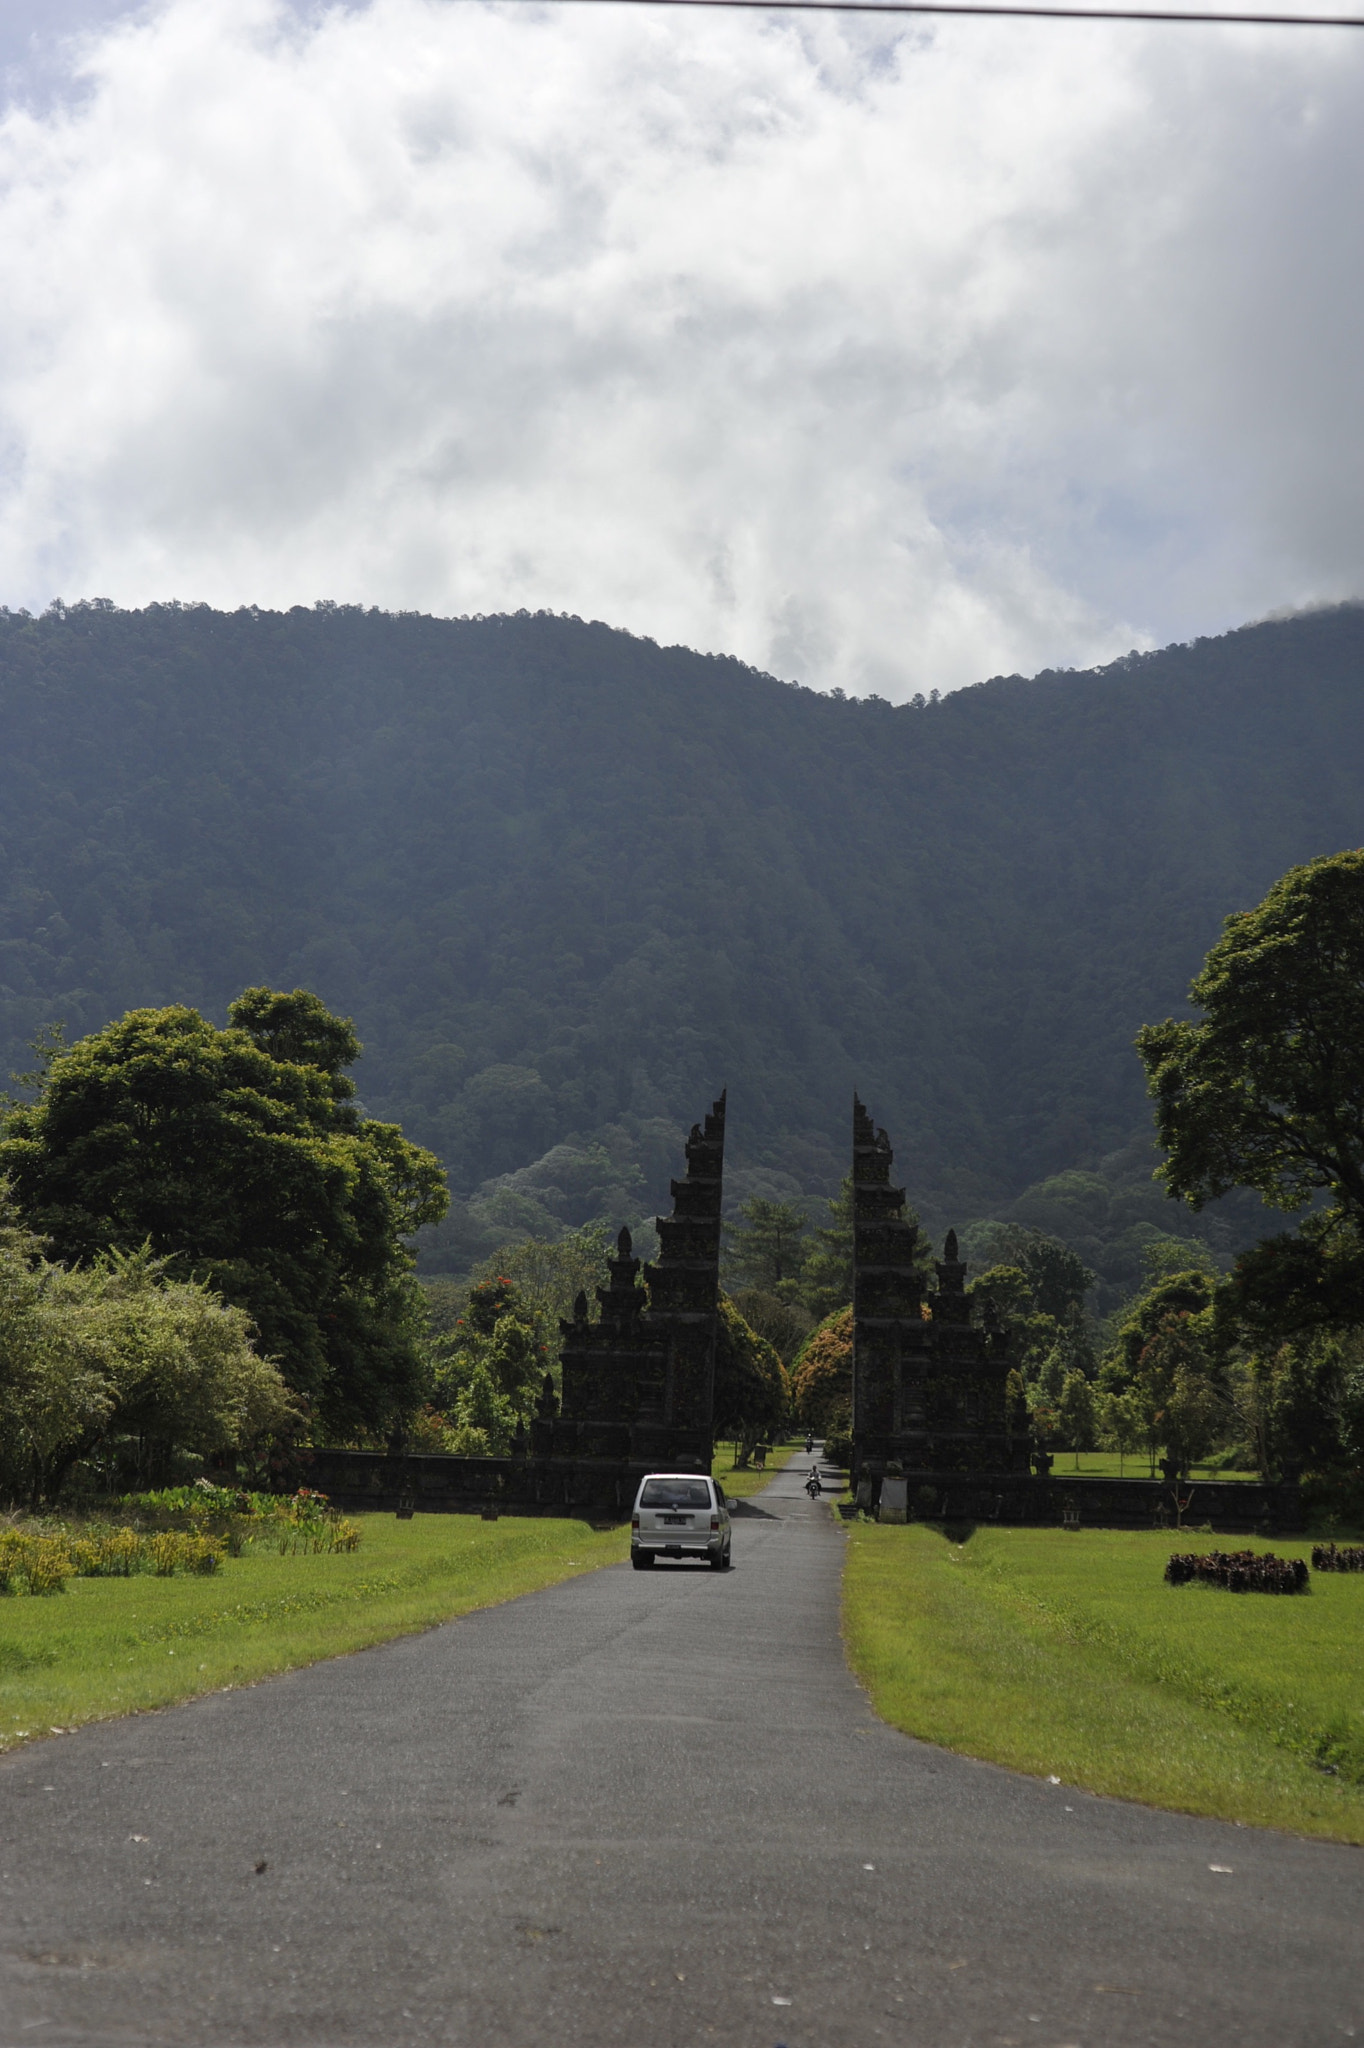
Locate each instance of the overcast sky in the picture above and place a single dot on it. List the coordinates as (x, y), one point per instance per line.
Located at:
(882, 356)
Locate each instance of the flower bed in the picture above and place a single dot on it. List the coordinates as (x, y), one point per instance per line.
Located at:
(1326, 1558)
(1239, 1571)
(185, 1529)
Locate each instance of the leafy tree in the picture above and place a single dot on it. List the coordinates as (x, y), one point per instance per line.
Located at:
(784, 1324)
(246, 1170)
(1121, 1422)
(828, 1272)
(116, 1349)
(1267, 1090)
(490, 1299)
(750, 1382)
(767, 1249)
(1007, 1292)
(1175, 1382)
(1299, 1405)
(1044, 1415)
(516, 1363)
(484, 1419)
(821, 1377)
(1163, 1257)
(1188, 1293)
(1058, 1278)
(547, 1277)
(1075, 1414)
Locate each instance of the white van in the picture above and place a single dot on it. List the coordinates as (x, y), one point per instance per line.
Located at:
(679, 1514)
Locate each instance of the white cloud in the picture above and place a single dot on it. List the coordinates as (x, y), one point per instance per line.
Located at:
(881, 356)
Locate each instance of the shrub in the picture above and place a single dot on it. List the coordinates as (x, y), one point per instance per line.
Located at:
(13, 1552)
(120, 1554)
(1240, 1571)
(48, 1565)
(1326, 1558)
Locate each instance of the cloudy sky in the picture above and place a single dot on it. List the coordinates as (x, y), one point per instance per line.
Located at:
(884, 355)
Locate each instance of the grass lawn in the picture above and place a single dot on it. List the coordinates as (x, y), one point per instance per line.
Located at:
(114, 1646)
(1136, 1465)
(1064, 1653)
(740, 1485)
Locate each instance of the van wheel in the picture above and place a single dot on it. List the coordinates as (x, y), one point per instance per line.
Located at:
(718, 1560)
(642, 1560)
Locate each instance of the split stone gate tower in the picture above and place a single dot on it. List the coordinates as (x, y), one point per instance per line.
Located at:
(930, 1385)
(639, 1383)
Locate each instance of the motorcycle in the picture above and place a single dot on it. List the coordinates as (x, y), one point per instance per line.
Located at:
(813, 1485)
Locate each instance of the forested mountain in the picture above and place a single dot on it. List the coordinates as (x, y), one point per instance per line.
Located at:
(569, 883)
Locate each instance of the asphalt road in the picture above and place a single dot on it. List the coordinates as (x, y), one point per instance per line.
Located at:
(648, 1809)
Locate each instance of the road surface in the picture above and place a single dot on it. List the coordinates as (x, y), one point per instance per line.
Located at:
(651, 1809)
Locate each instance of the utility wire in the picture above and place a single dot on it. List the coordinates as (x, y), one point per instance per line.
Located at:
(998, 9)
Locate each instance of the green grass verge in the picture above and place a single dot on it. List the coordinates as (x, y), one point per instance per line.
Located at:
(118, 1646)
(740, 1483)
(1065, 1654)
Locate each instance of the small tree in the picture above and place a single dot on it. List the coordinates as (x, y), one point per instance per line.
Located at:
(1121, 1424)
(1075, 1415)
(1174, 1381)
(483, 1421)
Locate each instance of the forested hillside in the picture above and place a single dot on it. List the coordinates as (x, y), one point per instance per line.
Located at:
(569, 883)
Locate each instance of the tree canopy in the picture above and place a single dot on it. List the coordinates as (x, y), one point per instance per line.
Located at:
(1266, 1090)
(750, 1380)
(767, 1248)
(239, 1158)
(117, 1349)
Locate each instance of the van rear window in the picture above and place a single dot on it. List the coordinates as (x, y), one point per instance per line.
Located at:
(675, 1493)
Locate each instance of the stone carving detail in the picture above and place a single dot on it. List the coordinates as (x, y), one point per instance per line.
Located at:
(639, 1382)
(930, 1386)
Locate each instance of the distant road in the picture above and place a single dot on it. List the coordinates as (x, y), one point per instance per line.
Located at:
(651, 1810)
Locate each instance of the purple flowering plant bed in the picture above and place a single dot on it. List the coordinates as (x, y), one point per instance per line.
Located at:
(1239, 1571)
(1326, 1558)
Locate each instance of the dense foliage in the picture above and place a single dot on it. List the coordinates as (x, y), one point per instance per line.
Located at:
(821, 1378)
(569, 882)
(239, 1157)
(751, 1389)
(118, 1350)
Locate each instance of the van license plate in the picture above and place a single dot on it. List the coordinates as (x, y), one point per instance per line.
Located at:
(676, 1521)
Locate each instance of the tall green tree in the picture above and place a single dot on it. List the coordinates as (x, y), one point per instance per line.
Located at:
(1266, 1090)
(828, 1274)
(767, 1248)
(751, 1389)
(239, 1157)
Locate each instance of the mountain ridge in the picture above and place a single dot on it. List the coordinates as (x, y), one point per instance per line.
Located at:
(569, 882)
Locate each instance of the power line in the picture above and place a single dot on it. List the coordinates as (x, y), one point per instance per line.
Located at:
(998, 9)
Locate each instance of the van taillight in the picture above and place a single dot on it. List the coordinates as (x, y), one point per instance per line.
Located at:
(715, 1521)
(634, 1521)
